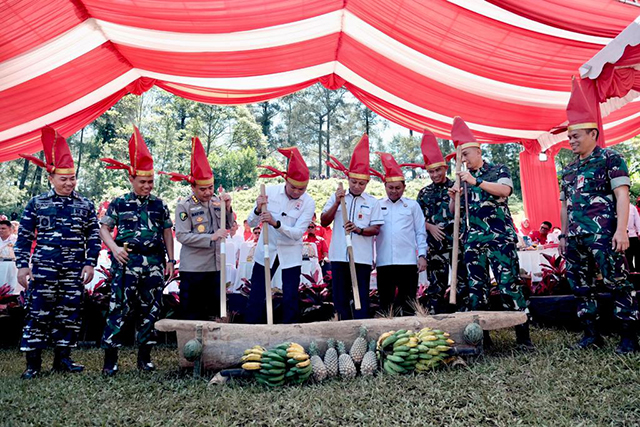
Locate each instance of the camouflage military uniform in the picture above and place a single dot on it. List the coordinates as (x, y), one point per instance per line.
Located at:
(434, 201)
(491, 240)
(141, 222)
(66, 232)
(587, 188)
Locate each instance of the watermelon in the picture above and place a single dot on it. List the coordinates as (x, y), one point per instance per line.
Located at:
(192, 350)
(473, 334)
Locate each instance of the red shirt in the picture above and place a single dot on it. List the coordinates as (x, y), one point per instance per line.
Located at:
(537, 237)
(321, 245)
(325, 233)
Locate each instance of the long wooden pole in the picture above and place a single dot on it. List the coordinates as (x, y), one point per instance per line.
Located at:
(352, 263)
(223, 260)
(267, 263)
(453, 290)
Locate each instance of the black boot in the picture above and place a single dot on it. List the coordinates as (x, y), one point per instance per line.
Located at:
(34, 364)
(628, 339)
(522, 337)
(591, 337)
(144, 359)
(110, 367)
(62, 361)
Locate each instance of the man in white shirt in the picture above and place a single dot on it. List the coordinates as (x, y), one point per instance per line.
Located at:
(289, 212)
(633, 229)
(364, 221)
(401, 246)
(8, 270)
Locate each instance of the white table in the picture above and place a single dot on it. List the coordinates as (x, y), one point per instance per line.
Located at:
(530, 261)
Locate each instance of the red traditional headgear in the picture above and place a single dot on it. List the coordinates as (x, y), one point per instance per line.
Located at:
(580, 112)
(392, 170)
(139, 157)
(461, 134)
(431, 151)
(297, 171)
(56, 153)
(201, 173)
(359, 166)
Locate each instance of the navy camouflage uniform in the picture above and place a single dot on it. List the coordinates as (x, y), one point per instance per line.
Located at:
(66, 232)
(491, 240)
(587, 189)
(434, 201)
(141, 222)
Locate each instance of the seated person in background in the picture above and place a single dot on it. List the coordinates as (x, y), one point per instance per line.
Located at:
(541, 235)
(525, 227)
(321, 244)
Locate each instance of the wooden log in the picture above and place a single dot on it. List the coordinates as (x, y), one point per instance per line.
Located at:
(224, 343)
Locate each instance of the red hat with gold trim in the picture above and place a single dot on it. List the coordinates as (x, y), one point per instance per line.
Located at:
(297, 170)
(392, 170)
(462, 135)
(359, 165)
(580, 112)
(141, 162)
(431, 151)
(56, 153)
(201, 173)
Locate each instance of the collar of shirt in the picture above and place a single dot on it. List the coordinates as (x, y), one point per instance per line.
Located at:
(140, 199)
(52, 193)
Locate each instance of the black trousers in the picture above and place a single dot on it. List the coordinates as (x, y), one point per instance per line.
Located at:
(343, 292)
(633, 254)
(397, 286)
(257, 307)
(199, 294)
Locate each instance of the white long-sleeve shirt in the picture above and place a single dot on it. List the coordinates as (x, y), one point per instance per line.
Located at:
(294, 216)
(633, 226)
(403, 237)
(363, 211)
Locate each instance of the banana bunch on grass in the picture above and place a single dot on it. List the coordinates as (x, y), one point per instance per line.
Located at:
(434, 346)
(398, 351)
(286, 362)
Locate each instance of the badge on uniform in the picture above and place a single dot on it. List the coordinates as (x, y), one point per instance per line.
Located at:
(199, 219)
(183, 216)
(580, 182)
(200, 228)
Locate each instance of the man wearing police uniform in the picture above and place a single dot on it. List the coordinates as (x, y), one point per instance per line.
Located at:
(364, 218)
(401, 246)
(595, 209)
(198, 229)
(288, 214)
(138, 268)
(65, 228)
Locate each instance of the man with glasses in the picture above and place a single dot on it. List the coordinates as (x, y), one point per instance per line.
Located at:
(541, 235)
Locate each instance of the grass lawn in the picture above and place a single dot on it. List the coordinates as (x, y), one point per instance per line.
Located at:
(552, 386)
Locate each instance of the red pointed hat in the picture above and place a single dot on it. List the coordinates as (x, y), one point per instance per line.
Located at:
(580, 112)
(56, 153)
(461, 134)
(431, 151)
(392, 170)
(141, 162)
(359, 166)
(201, 173)
(297, 171)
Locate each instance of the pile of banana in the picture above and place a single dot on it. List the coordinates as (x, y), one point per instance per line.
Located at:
(286, 362)
(398, 351)
(434, 346)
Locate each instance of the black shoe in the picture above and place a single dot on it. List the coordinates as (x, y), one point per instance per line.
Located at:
(628, 339)
(62, 361)
(144, 359)
(591, 338)
(110, 367)
(34, 364)
(522, 337)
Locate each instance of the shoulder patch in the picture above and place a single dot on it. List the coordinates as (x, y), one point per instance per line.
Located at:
(183, 216)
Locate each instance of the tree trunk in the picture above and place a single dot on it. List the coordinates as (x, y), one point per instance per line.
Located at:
(81, 145)
(25, 172)
(37, 176)
(328, 137)
(320, 123)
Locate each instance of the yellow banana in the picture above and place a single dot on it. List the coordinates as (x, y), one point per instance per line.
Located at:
(251, 358)
(303, 364)
(301, 357)
(251, 366)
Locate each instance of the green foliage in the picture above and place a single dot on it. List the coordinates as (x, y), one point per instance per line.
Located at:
(235, 168)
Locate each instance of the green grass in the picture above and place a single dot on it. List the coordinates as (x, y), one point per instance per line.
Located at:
(552, 386)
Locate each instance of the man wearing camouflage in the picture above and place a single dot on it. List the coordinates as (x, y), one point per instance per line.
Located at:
(491, 237)
(434, 201)
(144, 226)
(595, 208)
(65, 228)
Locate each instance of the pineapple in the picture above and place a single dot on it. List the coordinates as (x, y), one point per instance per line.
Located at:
(345, 363)
(331, 359)
(359, 346)
(370, 360)
(319, 370)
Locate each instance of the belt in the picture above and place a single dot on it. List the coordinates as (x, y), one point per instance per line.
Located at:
(7, 260)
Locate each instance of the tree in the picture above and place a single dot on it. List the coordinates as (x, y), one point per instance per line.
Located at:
(235, 168)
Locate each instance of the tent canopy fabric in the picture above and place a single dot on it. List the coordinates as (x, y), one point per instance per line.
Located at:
(505, 66)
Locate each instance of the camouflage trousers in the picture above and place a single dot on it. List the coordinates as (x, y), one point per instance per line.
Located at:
(136, 295)
(585, 250)
(438, 265)
(54, 300)
(502, 257)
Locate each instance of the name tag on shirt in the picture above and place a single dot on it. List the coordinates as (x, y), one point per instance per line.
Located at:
(580, 182)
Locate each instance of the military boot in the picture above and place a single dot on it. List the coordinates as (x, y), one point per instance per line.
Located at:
(62, 361)
(110, 367)
(628, 339)
(522, 337)
(34, 364)
(144, 359)
(591, 337)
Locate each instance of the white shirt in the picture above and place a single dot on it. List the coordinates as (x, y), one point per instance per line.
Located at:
(633, 226)
(6, 247)
(403, 236)
(363, 211)
(294, 216)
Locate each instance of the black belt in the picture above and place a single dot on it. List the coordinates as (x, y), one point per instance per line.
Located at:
(7, 260)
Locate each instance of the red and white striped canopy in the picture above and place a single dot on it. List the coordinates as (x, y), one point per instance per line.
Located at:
(505, 66)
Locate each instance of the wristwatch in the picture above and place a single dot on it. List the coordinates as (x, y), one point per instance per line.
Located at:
(172, 261)
(278, 224)
(562, 236)
(479, 181)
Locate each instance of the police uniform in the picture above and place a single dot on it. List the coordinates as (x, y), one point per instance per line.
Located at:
(200, 256)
